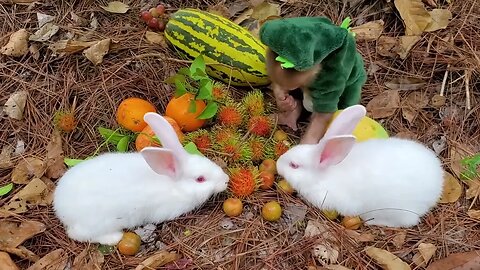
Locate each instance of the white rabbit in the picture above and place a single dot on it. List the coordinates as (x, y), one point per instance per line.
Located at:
(100, 197)
(387, 182)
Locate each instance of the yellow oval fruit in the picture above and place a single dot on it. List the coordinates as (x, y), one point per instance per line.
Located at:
(285, 186)
(366, 129)
(232, 207)
(272, 211)
(352, 223)
(130, 244)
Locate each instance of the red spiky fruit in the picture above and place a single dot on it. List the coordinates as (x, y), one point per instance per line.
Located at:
(280, 148)
(220, 91)
(260, 125)
(222, 134)
(237, 151)
(243, 181)
(201, 138)
(257, 144)
(230, 116)
(65, 121)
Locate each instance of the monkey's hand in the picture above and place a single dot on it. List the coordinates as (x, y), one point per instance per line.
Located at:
(286, 103)
(289, 118)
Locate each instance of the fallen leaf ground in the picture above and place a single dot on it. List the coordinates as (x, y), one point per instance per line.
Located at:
(428, 91)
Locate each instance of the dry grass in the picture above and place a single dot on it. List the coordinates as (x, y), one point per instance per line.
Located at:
(52, 83)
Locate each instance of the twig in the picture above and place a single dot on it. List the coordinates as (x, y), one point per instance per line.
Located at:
(444, 82)
(467, 88)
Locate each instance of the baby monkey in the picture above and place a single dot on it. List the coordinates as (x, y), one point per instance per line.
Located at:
(285, 80)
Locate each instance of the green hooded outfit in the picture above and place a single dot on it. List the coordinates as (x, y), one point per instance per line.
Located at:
(307, 41)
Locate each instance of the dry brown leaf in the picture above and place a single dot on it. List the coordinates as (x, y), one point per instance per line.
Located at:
(386, 260)
(414, 102)
(440, 19)
(387, 46)
(438, 101)
(156, 38)
(458, 261)
(97, 51)
(13, 233)
(236, 7)
(406, 44)
(383, 105)
(70, 46)
(88, 259)
(473, 190)
(6, 157)
(116, 7)
(15, 104)
(457, 154)
(424, 254)
(336, 267)
(44, 19)
(21, 252)
(405, 84)
(414, 15)
(265, 10)
(406, 135)
(220, 10)
(37, 192)
(26, 169)
(475, 214)
(361, 237)
(432, 3)
(369, 31)
(55, 164)
(399, 239)
(158, 259)
(244, 16)
(47, 31)
(34, 51)
(17, 45)
(55, 260)
(452, 189)
(6, 263)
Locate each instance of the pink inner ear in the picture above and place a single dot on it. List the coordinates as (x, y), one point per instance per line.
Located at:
(336, 149)
(161, 160)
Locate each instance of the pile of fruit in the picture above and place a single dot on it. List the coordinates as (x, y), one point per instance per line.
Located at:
(155, 18)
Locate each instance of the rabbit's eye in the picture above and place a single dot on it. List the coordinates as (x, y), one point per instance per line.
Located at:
(293, 165)
(200, 179)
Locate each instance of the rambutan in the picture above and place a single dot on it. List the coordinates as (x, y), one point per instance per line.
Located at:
(65, 121)
(254, 103)
(201, 138)
(260, 125)
(237, 151)
(243, 180)
(230, 115)
(275, 149)
(221, 134)
(220, 92)
(257, 144)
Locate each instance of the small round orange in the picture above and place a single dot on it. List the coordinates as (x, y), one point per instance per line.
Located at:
(232, 207)
(272, 211)
(129, 244)
(267, 179)
(352, 223)
(177, 108)
(268, 165)
(130, 113)
(146, 137)
(285, 186)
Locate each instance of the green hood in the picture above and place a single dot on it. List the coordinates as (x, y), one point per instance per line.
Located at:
(304, 41)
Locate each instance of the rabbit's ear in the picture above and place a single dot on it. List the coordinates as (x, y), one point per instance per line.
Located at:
(162, 161)
(346, 121)
(165, 133)
(336, 149)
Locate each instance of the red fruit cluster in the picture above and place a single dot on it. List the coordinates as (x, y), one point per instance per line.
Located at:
(260, 125)
(243, 181)
(229, 116)
(155, 17)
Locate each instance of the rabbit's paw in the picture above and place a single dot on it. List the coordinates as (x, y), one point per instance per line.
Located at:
(110, 238)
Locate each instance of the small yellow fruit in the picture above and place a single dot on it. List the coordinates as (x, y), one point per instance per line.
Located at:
(285, 186)
(352, 223)
(330, 214)
(280, 135)
(232, 207)
(268, 165)
(272, 211)
(130, 244)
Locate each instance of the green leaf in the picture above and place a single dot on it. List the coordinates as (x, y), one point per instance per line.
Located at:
(206, 90)
(72, 162)
(122, 145)
(6, 189)
(209, 111)
(191, 148)
(198, 63)
(199, 75)
(180, 89)
(177, 77)
(184, 71)
(110, 136)
(192, 107)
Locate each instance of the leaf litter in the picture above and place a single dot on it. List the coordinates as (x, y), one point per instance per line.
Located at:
(385, 259)
(452, 189)
(55, 165)
(15, 105)
(17, 45)
(26, 169)
(14, 233)
(116, 7)
(384, 105)
(54, 260)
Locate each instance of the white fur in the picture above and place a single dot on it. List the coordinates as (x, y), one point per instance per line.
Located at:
(388, 182)
(100, 197)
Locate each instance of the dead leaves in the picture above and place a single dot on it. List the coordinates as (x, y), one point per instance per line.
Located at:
(17, 45)
(55, 165)
(37, 192)
(88, 259)
(386, 260)
(158, 259)
(413, 104)
(259, 12)
(47, 31)
(97, 51)
(156, 38)
(116, 7)
(327, 251)
(384, 105)
(13, 233)
(452, 190)
(55, 260)
(393, 46)
(26, 169)
(15, 105)
(440, 20)
(458, 261)
(418, 20)
(6, 262)
(424, 254)
(369, 31)
(70, 46)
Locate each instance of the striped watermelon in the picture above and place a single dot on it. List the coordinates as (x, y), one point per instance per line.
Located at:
(193, 32)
